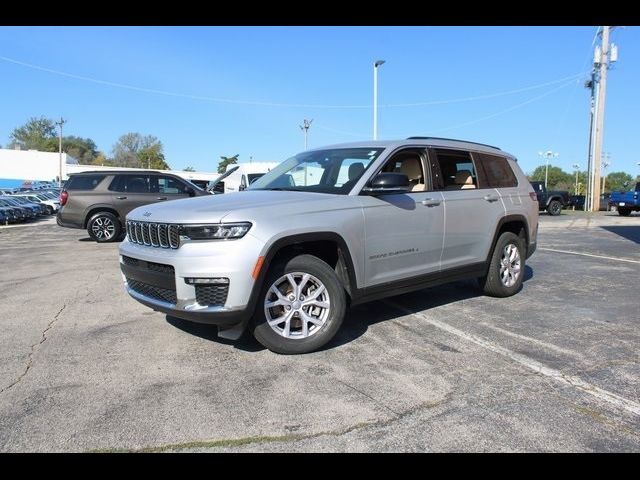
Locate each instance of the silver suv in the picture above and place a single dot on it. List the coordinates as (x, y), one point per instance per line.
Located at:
(334, 227)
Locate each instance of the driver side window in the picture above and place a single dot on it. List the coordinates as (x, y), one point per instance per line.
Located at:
(409, 163)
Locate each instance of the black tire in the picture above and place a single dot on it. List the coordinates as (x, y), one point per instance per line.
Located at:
(322, 272)
(624, 212)
(104, 227)
(49, 210)
(554, 208)
(492, 284)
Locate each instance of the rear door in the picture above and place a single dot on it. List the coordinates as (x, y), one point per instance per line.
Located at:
(472, 208)
(129, 191)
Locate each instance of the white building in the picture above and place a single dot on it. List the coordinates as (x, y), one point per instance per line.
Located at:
(45, 166)
(33, 165)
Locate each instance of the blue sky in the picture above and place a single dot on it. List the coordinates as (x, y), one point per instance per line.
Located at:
(267, 72)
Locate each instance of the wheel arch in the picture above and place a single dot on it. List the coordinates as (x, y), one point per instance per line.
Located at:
(516, 224)
(93, 209)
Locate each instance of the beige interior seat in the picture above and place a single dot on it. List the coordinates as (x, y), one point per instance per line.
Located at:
(464, 180)
(412, 169)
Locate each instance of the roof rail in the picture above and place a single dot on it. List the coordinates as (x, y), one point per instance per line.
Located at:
(452, 140)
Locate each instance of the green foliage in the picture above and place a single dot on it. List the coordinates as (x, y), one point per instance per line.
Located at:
(222, 165)
(34, 134)
(556, 178)
(188, 169)
(135, 150)
(616, 180)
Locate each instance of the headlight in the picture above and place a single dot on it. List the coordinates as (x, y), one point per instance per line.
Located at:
(215, 232)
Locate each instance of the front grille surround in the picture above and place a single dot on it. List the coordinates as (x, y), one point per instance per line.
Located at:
(151, 234)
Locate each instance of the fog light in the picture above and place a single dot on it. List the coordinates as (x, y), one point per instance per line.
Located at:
(206, 281)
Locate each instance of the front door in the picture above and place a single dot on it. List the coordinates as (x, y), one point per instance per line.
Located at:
(403, 232)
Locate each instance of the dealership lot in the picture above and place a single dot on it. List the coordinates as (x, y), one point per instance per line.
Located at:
(554, 368)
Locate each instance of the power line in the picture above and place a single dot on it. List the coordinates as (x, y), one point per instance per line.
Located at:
(275, 104)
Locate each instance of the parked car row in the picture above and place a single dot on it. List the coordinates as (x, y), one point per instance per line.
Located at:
(24, 206)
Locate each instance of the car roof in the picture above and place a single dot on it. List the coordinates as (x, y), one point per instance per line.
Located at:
(118, 172)
(423, 141)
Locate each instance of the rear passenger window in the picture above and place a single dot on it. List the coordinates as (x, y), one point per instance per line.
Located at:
(497, 171)
(453, 170)
(130, 184)
(83, 182)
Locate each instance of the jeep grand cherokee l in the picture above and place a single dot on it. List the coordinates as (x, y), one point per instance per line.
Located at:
(334, 227)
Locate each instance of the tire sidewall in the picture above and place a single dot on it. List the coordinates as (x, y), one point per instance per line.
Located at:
(554, 208)
(323, 272)
(116, 223)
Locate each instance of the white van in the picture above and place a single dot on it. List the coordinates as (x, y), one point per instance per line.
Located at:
(238, 177)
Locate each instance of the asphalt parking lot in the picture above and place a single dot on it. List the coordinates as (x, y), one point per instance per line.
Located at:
(554, 368)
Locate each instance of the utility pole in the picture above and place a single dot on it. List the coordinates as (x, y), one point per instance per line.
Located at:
(577, 169)
(60, 124)
(604, 56)
(306, 124)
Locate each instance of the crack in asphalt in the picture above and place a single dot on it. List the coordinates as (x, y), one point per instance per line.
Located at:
(32, 350)
(239, 442)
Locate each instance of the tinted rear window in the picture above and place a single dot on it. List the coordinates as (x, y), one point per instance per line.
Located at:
(83, 182)
(497, 171)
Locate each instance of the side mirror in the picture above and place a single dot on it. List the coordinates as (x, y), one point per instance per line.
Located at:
(242, 187)
(190, 191)
(386, 183)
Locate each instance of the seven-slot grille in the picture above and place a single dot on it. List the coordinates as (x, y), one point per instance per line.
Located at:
(164, 235)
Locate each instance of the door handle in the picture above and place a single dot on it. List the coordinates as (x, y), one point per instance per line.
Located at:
(121, 198)
(162, 198)
(490, 198)
(430, 202)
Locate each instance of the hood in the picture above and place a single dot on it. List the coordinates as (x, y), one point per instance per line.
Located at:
(213, 208)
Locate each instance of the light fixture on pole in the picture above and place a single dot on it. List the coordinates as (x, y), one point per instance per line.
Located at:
(306, 124)
(547, 156)
(375, 97)
(577, 169)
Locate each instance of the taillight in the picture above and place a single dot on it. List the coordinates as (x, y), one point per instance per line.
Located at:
(533, 196)
(64, 196)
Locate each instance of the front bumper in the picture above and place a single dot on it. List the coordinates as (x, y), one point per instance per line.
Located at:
(231, 259)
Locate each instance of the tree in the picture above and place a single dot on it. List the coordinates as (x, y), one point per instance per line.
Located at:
(135, 150)
(35, 134)
(225, 161)
(188, 169)
(556, 177)
(615, 181)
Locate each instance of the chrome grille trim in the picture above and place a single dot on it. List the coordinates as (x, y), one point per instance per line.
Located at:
(158, 235)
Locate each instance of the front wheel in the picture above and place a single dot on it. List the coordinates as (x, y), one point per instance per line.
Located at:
(624, 212)
(301, 306)
(554, 208)
(506, 269)
(104, 227)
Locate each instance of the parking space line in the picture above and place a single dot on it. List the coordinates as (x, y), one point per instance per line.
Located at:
(589, 255)
(542, 344)
(570, 380)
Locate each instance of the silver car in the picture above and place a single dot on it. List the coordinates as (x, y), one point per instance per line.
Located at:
(334, 227)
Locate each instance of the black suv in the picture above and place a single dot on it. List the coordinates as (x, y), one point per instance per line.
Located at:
(99, 201)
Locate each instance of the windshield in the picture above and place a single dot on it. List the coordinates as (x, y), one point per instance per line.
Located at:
(321, 171)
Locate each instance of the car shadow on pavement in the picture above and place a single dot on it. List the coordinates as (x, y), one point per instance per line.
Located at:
(358, 318)
(630, 232)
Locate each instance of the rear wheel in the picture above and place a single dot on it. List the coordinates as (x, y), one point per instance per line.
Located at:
(554, 208)
(104, 227)
(624, 212)
(506, 268)
(301, 306)
(49, 210)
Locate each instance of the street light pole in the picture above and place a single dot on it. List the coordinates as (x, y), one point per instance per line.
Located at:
(59, 124)
(577, 168)
(605, 164)
(547, 156)
(375, 97)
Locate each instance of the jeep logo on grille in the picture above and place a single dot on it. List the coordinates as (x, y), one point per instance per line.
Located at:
(146, 214)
